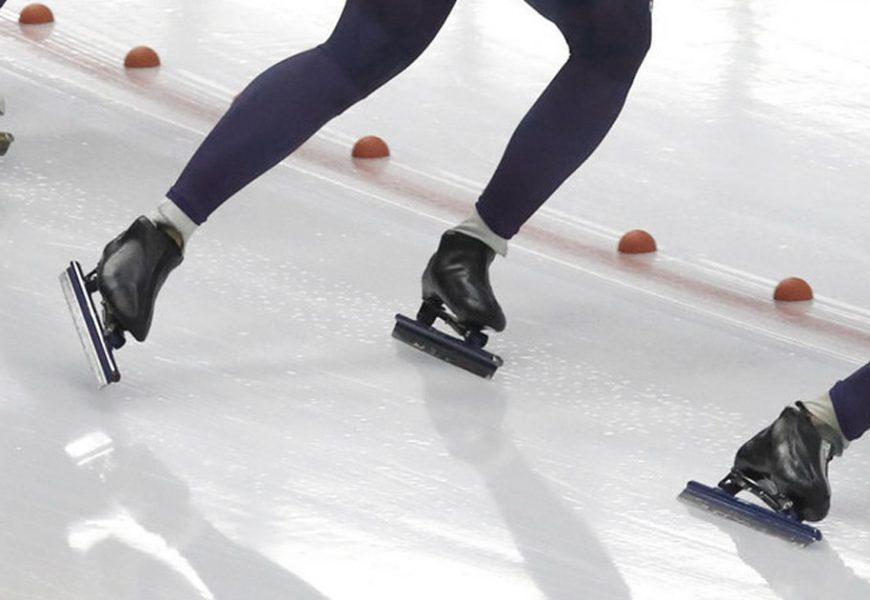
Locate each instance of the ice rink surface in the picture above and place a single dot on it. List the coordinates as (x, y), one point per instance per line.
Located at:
(270, 440)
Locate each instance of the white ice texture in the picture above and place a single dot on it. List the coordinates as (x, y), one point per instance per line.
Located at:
(270, 440)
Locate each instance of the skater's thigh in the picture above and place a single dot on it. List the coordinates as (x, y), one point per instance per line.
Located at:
(380, 35)
(600, 27)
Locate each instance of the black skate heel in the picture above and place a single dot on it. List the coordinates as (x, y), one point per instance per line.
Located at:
(429, 312)
(97, 341)
(466, 353)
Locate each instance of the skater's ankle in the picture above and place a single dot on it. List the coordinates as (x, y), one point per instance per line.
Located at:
(173, 221)
(172, 233)
(474, 226)
(824, 419)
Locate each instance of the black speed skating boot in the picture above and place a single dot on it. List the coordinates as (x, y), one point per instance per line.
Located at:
(786, 465)
(6, 139)
(131, 272)
(457, 291)
(458, 275)
(128, 277)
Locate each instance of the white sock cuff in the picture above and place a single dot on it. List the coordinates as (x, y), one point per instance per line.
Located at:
(474, 226)
(167, 213)
(822, 408)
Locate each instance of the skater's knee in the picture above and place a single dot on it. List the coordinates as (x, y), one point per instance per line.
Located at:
(376, 39)
(615, 35)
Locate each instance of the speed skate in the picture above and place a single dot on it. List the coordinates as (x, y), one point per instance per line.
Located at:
(98, 344)
(6, 138)
(780, 519)
(457, 291)
(466, 352)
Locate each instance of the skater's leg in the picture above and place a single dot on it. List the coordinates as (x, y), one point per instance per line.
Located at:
(850, 399)
(608, 40)
(373, 41)
(843, 413)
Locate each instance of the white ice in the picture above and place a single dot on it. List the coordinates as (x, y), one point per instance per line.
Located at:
(270, 440)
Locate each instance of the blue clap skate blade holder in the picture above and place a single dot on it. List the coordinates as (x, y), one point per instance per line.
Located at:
(449, 349)
(719, 501)
(88, 324)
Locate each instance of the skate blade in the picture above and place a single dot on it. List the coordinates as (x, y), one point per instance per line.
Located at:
(88, 325)
(722, 503)
(447, 348)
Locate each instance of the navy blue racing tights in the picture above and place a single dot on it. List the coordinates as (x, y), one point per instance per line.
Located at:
(374, 41)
